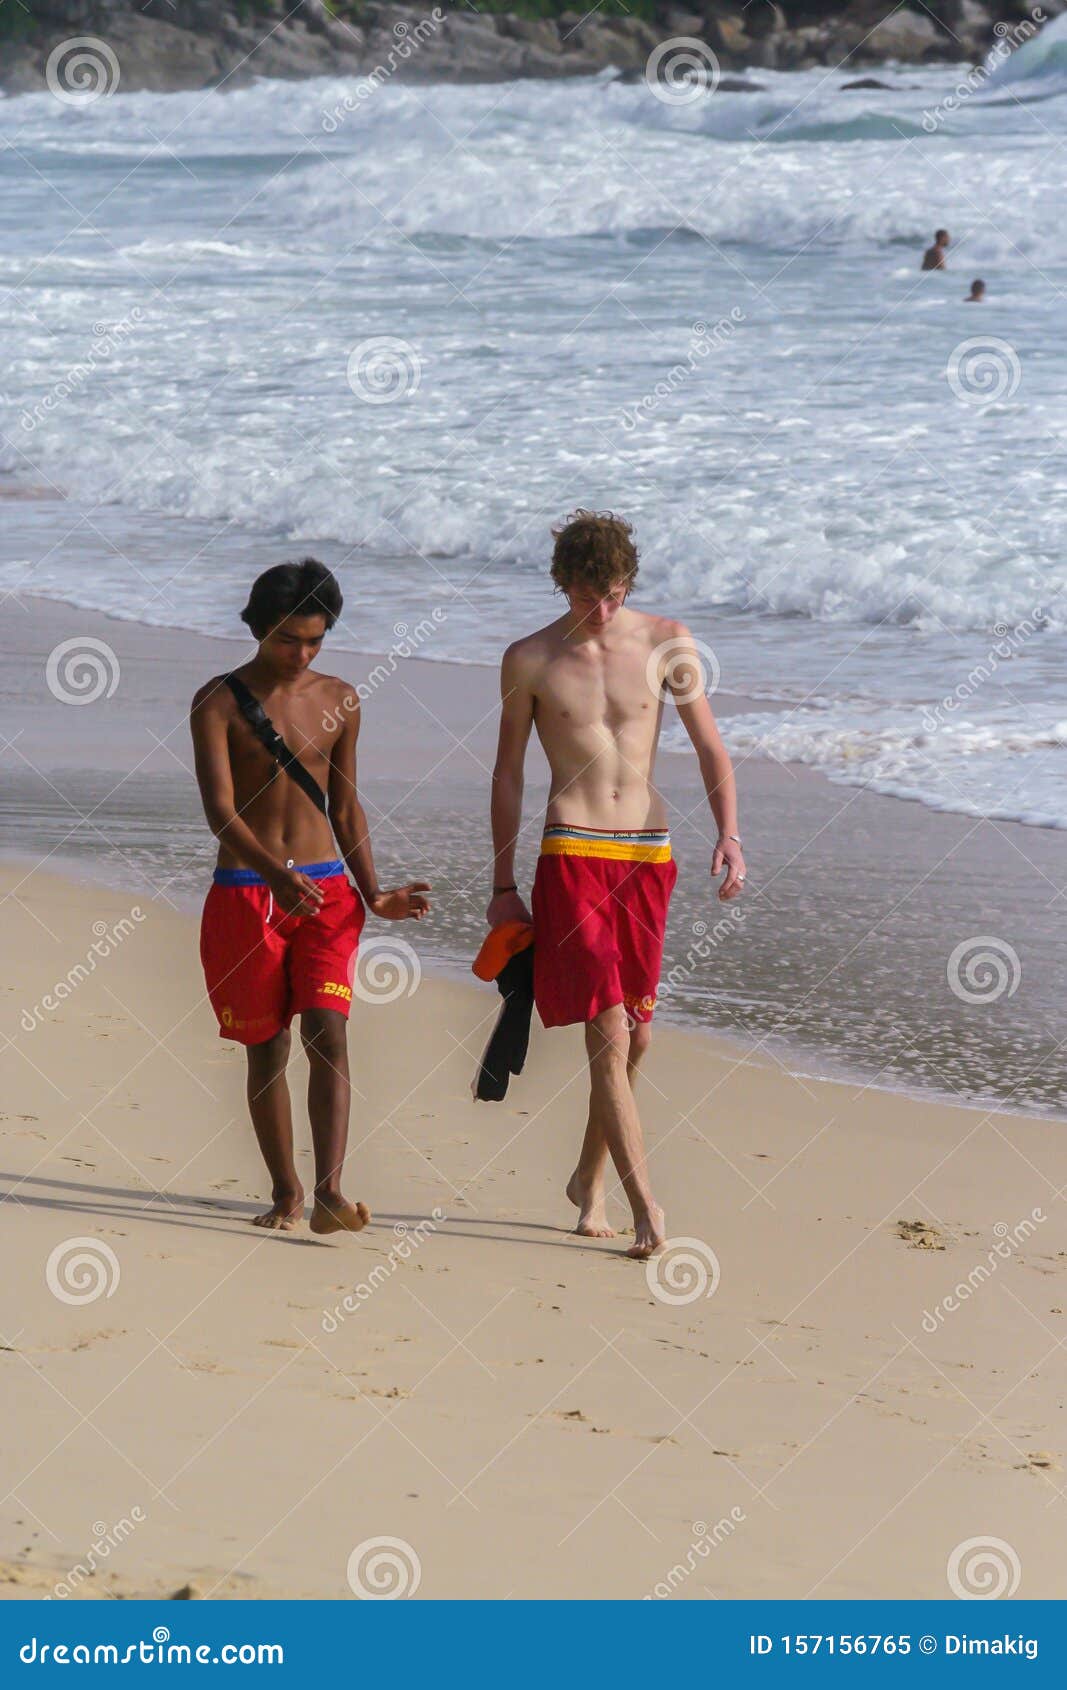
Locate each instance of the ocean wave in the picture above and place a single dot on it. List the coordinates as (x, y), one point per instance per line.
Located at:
(1007, 770)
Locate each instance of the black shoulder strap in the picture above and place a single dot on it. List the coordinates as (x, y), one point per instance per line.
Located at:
(267, 734)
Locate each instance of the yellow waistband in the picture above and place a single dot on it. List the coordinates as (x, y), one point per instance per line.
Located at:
(615, 850)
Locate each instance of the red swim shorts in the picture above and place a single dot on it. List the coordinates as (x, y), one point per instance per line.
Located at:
(600, 912)
(262, 966)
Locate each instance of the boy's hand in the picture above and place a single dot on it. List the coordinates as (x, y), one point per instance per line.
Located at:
(403, 902)
(295, 892)
(728, 856)
(506, 906)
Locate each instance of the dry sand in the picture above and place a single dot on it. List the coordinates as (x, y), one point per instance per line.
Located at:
(516, 1404)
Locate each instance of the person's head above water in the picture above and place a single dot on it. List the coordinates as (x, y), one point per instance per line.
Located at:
(290, 609)
(594, 565)
(941, 237)
(977, 292)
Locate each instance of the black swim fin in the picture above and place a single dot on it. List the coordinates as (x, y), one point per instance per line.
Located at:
(505, 1054)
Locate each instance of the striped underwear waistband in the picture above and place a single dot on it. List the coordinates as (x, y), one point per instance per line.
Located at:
(249, 876)
(644, 845)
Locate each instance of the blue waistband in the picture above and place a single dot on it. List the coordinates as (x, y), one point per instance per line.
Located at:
(249, 877)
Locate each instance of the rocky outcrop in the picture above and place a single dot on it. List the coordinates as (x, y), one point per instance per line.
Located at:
(180, 44)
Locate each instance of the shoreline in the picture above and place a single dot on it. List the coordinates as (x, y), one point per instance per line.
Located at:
(727, 1045)
(840, 945)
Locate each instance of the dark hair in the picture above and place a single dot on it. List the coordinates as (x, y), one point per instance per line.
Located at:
(594, 549)
(306, 588)
(977, 283)
(940, 234)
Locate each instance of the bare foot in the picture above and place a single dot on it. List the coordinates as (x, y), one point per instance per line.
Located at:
(592, 1215)
(334, 1213)
(286, 1212)
(650, 1234)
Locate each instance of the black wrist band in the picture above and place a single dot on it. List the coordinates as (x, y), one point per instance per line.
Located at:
(498, 889)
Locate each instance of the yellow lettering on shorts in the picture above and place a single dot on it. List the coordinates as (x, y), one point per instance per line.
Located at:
(335, 989)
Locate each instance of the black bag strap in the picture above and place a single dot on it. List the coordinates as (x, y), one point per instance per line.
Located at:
(267, 734)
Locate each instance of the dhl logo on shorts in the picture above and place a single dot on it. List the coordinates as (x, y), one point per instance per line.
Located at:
(334, 989)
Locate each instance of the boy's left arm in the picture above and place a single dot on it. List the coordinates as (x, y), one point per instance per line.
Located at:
(686, 680)
(349, 823)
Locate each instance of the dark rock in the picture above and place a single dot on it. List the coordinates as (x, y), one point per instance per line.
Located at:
(864, 82)
(907, 35)
(762, 18)
(537, 32)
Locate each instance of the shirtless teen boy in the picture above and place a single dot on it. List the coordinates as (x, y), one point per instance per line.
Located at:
(281, 923)
(593, 684)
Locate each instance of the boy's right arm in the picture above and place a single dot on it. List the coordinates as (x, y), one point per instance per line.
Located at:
(516, 720)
